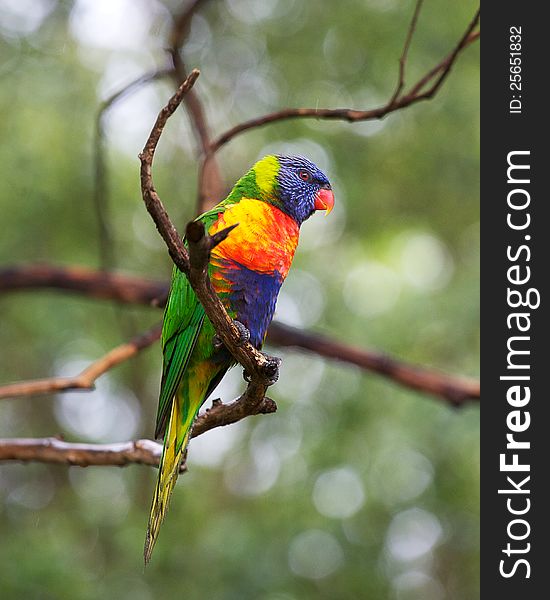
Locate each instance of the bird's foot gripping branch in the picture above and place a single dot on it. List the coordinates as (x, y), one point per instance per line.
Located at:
(245, 335)
(270, 370)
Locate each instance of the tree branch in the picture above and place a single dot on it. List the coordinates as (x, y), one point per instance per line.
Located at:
(454, 390)
(444, 67)
(152, 200)
(191, 100)
(405, 53)
(86, 379)
(144, 452)
(54, 450)
(126, 289)
(226, 414)
(396, 102)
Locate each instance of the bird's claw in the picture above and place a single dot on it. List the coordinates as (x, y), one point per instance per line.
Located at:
(217, 342)
(244, 337)
(244, 333)
(271, 369)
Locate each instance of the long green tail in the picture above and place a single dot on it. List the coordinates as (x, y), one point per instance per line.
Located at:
(175, 442)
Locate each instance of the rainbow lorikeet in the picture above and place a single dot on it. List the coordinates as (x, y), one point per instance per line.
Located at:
(269, 203)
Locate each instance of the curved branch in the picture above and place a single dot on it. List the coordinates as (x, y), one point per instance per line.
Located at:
(454, 390)
(127, 289)
(86, 379)
(444, 67)
(151, 198)
(194, 264)
(405, 53)
(396, 102)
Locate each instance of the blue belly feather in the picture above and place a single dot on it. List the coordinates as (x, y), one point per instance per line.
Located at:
(253, 297)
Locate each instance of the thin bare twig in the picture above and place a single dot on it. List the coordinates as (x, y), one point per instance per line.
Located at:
(131, 87)
(226, 414)
(86, 379)
(346, 114)
(444, 67)
(405, 53)
(180, 30)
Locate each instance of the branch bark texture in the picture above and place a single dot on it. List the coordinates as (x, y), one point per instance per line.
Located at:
(54, 450)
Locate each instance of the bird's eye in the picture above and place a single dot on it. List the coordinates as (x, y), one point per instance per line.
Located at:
(305, 176)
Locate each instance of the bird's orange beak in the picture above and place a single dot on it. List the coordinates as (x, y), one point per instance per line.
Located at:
(324, 200)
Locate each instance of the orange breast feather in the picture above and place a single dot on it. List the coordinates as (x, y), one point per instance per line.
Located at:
(264, 241)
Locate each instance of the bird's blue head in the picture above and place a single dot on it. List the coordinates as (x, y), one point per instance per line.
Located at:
(292, 183)
(302, 188)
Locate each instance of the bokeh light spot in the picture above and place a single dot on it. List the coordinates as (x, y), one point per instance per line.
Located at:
(412, 533)
(315, 554)
(338, 493)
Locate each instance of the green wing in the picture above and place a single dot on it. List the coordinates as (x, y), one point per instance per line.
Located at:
(183, 320)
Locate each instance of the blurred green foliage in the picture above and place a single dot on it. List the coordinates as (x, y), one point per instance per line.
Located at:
(355, 488)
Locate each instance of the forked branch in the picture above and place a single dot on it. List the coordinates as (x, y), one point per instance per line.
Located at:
(417, 93)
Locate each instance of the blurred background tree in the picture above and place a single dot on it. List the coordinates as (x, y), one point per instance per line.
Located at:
(356, 487)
